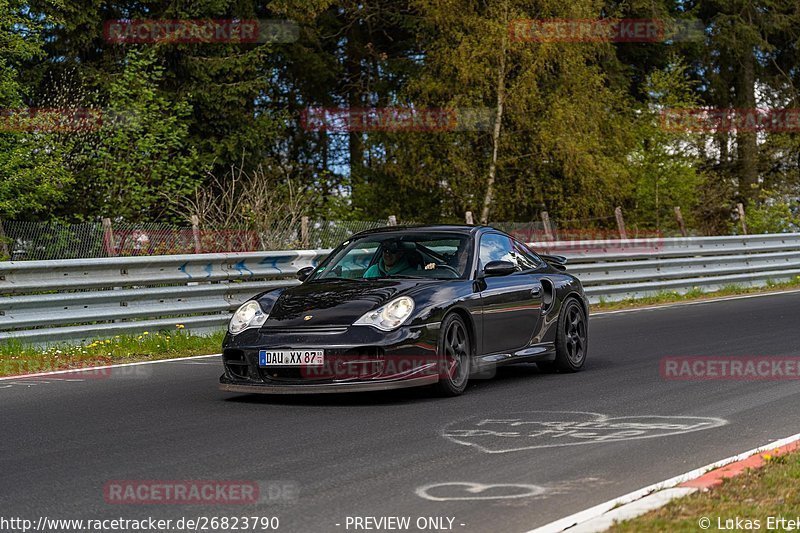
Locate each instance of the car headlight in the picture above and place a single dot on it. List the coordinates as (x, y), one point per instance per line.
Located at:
(390, 316)
(249, 315)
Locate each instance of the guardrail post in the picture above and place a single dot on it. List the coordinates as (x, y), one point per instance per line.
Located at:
(108, 238)
(679, 218)
(548, 230)
(620, 223)
(4, 252)
(392, 220)
(740, 210)
(198, 249)
(304, 231)
(469, 219)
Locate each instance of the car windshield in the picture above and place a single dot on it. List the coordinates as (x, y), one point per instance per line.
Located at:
(399, 255)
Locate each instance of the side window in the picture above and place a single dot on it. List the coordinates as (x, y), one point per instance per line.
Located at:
(496, 247)
(527, 259)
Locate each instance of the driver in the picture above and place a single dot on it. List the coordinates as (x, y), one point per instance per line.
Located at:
(393, 261)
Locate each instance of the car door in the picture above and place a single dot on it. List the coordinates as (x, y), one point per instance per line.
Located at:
(510, 305)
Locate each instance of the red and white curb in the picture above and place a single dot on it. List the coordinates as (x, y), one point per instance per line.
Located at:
(603, 516)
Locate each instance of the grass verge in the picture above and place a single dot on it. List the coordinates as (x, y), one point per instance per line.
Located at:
(755, 495)
(695, 294)
(18, 358)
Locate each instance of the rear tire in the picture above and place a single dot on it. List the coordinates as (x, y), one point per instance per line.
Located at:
(455, 356)
(572, 337)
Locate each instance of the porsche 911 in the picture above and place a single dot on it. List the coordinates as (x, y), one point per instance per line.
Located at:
(409, 306)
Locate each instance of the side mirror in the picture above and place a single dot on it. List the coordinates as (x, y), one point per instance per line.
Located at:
(304, 272)
(499, 268)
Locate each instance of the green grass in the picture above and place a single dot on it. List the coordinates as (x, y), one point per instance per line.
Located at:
(772, 490)
(694, 294)
(18, 358)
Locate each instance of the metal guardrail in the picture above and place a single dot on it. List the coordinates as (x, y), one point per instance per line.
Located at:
(77, 300)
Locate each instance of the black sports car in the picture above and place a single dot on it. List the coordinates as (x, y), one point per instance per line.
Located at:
(408, 306)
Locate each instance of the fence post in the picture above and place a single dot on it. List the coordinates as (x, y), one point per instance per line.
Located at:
(548, 231)
(469, 218)
(620, 223)
(740, 209)
(108, 238)
(3, 244)
(392, 220)
(304, 231)
(196, 234)
(679, 218)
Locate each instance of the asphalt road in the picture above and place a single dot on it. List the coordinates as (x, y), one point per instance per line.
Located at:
(388, 454)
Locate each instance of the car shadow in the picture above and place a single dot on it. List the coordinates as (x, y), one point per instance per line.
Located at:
(344, 399)
(501, 377)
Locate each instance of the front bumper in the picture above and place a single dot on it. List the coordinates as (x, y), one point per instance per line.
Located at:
(357, 358)
(323, 388)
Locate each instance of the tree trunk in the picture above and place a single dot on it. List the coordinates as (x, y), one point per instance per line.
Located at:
(355, 100)
(498, 119)
(746, 144)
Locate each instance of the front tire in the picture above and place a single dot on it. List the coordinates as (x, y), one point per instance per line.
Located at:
(455, 356)
(572, 337)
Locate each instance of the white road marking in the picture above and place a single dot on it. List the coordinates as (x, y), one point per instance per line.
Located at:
(512, 432)
(463, 490)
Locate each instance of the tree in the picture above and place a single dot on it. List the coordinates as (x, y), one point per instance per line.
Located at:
(665, 162)
(32, 174)
(142, 152)
(559, 131)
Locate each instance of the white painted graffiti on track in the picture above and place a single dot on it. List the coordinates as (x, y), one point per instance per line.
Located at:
(463, 490)
(510, 432)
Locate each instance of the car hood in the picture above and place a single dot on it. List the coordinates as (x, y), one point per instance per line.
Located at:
(333, 303)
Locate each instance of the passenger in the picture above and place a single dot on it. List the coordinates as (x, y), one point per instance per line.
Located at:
(394, 261)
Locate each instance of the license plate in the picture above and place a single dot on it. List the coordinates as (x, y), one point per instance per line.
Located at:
(291, 357)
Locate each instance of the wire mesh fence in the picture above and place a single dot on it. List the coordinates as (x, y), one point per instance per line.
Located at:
(27, 241)
(330, 233)
(52, 240)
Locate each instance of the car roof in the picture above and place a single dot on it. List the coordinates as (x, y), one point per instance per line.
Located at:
(462, 229)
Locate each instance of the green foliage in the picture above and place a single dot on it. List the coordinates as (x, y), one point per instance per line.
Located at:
(142, 154)
(663, 163)
(579, 122)
(773, 215)
(556, 147)
(32, 174)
